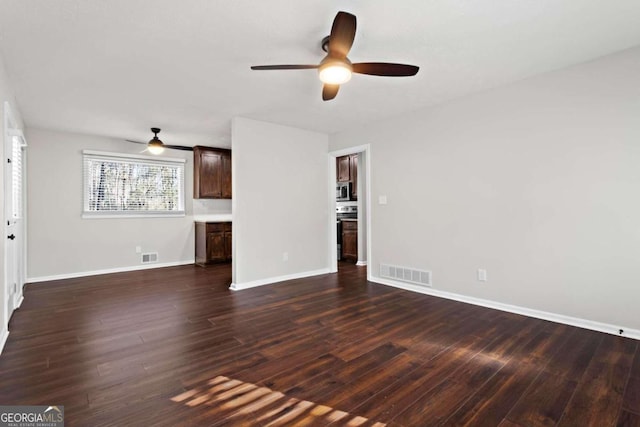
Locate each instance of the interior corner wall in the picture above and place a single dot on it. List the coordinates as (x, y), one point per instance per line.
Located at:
(62, 243)
(536, 182)
(280, 190)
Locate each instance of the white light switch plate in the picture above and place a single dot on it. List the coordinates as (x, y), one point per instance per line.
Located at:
(382, 200)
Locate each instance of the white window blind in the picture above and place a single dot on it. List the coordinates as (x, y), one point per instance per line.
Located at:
(16, 182)
(131, 185)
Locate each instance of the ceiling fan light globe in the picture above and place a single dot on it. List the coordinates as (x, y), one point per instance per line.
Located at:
(334, 73)
(155, 147)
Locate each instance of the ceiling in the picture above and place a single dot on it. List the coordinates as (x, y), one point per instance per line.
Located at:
(118, 67)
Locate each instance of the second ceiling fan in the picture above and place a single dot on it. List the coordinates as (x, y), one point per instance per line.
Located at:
(336, 68)
(155, 146)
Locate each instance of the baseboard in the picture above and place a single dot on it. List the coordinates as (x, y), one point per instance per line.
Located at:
(3, 339)
(361, 263)
(107, 271)
(544, 315)
(270, 280)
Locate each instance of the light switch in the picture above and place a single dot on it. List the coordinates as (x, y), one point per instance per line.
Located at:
(382, 200)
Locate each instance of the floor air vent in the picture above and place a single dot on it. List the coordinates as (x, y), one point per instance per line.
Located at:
(150, 257)
(405, 274)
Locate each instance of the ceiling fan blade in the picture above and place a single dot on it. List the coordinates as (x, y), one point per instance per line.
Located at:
(178, 147)
(343, 31)
(385, 69)
(173, 147)
(329, 92)
(283, 67)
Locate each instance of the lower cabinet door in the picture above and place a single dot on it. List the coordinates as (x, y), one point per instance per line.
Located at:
(216, 246)
(350, 240)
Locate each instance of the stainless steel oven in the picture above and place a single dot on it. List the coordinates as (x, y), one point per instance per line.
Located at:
(343, 191)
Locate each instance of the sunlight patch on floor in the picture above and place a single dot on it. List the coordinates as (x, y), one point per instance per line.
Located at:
(232, 398)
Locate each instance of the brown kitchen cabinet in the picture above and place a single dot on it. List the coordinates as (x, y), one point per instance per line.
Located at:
(353, 170)
(213, 242)
(347, 171)
(343, 168)
(350, 240)
(211, 173)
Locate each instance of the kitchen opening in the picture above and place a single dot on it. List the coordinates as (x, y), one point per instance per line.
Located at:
(351, 248)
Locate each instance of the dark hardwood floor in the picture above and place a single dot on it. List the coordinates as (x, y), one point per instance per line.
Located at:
(174, 346)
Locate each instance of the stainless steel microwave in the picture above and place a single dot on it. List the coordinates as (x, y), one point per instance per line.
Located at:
(343, 191)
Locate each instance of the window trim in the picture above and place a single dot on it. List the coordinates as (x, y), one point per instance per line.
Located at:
(167, 161)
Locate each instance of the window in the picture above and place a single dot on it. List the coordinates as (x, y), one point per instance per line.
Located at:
(131, 185)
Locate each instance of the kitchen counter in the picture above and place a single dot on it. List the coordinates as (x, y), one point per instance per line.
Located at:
(213, 218)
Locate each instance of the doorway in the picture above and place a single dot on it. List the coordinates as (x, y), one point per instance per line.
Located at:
(349, 207)
(15, 209)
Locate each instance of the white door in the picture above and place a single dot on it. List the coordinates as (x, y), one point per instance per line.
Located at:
(14, 215)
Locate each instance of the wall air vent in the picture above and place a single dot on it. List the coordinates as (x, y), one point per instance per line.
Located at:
(150, 257)
(405, 274)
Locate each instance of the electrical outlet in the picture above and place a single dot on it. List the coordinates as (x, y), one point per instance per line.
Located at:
(482, 275)
(285, 256)
(138, 249)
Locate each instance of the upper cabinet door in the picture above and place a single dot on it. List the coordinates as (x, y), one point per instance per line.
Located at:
(211, 173)
(342, 166)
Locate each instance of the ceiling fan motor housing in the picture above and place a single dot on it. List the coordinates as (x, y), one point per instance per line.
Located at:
(335, 70)
(325, 44)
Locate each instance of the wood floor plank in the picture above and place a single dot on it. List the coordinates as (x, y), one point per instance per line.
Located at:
(628, 419)
(575, 354)
(635, 369)
(351, 394)
(398, 395)
(490, 404)
(631, 402)
(544, 401)
(439, 402)
(599, 396)
(174, 346)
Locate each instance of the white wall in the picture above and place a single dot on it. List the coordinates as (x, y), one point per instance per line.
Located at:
(280, 188)
(6, 94)
(538, 182)
(61, 242)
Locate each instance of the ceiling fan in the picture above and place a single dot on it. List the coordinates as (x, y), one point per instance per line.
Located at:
(155, 146)
(336, 68)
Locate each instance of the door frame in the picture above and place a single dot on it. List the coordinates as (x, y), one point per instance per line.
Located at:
(11, 130)
(333, 230)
